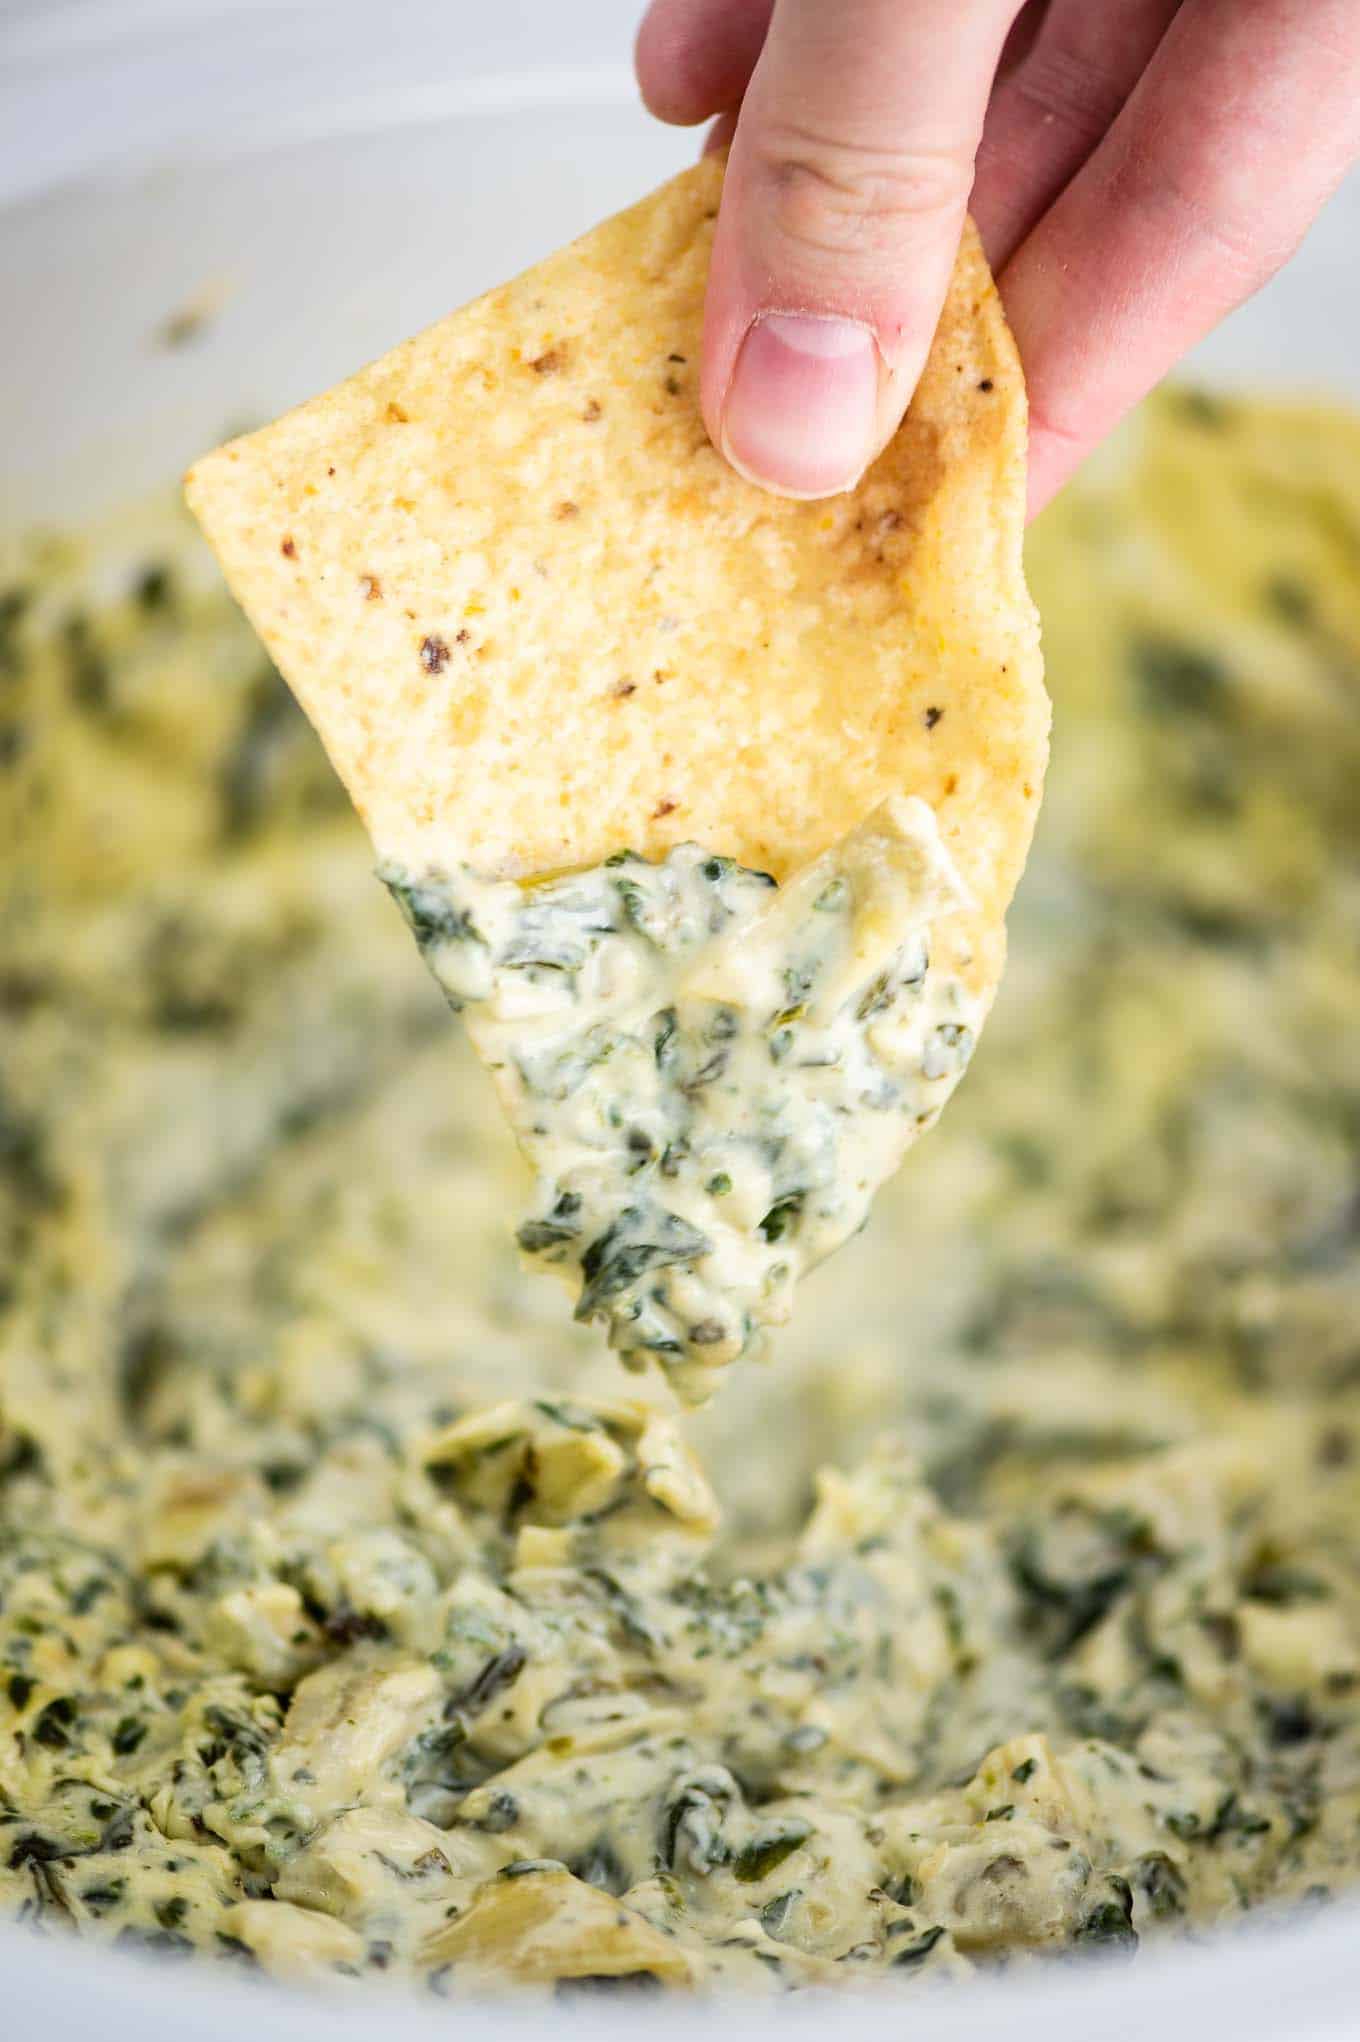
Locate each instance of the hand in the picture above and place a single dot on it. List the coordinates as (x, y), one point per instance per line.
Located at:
(1137, 168)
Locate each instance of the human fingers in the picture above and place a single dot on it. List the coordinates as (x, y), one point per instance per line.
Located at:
(694, 58)
(1239, 130)
(1053, 106)
(847, 181)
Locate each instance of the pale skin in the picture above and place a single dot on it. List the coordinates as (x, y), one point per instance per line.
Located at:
(1137, 168)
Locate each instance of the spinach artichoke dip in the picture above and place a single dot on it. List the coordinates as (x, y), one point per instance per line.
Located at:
(353, 1623)
(711, 1074)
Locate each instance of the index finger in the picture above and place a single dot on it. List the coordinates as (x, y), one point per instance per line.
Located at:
(1240, 129)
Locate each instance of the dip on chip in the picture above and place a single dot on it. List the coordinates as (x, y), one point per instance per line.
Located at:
(779, 762)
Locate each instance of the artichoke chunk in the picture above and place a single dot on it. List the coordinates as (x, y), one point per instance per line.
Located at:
(538, 1924)
(344, 1723)
(292, 1942)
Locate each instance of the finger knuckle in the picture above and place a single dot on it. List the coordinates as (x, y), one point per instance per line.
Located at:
(836, 197)
(1206, 201)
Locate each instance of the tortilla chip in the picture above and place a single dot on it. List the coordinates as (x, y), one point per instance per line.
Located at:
(536, 618)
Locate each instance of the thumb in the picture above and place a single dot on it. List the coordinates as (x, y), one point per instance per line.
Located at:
(846, 188)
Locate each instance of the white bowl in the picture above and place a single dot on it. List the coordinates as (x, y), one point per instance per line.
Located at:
(291, 186)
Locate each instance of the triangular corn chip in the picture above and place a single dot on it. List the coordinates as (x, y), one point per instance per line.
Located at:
(535, 617)
(542, 627)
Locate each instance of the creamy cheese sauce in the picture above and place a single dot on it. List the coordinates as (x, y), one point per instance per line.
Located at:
(709, 1074)
(350, 1623)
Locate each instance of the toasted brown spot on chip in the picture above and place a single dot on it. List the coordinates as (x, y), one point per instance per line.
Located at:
(396, 414)
(548, 364)
(370, 588)
(288, 549)
(434, 655)
(593, 410)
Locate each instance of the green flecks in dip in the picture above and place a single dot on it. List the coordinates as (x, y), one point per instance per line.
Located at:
(353, 1628)
(709, 1075)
